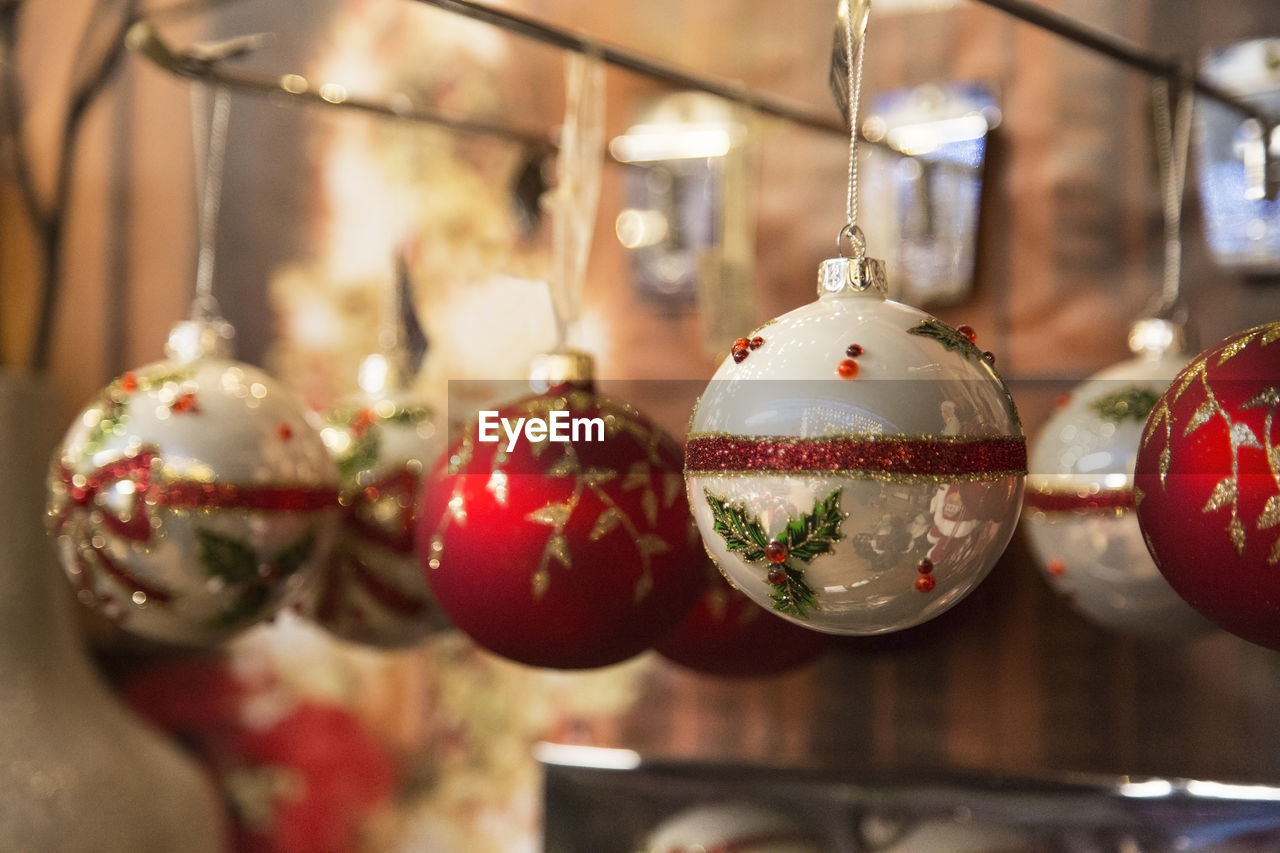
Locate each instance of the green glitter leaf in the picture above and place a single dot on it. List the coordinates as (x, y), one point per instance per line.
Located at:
(950, 338)
(1131, 404)
(741, 533)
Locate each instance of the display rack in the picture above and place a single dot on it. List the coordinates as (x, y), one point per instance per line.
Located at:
(193, 64)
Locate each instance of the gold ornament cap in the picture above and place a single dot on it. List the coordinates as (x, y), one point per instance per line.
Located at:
(208, 337)
(552, 369)
(1155, 338)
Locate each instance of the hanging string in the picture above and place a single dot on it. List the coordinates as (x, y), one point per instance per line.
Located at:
(572, 203)
(210, 140)
(1173, 142)
(853, 81)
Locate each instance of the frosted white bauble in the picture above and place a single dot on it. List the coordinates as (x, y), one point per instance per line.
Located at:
(855, 465)
(373, 591)
(1078, 516)
(191, 499)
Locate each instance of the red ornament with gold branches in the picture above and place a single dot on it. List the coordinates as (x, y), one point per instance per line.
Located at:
(1207, 484)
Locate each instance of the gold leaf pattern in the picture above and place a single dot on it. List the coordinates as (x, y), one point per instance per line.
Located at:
(1191, 375)
(1274, 458)
(1270, 334)
(643, 587)
(1138, 497)
(1265, 397)
(558, 548)
(1158, 416)
(1201, 416)
(1165, 456)
(637, 476)
(1236, 531)
(1242, 436)
(649, 503)
(606, 521)
(1151, 546)
(1236, 347)
(1224, 493)
(552, 515)
(651, 543)
(671, 486)
(541, 580)
(597, 476)
(1270, 516)
(1274, 557)
(563, 467)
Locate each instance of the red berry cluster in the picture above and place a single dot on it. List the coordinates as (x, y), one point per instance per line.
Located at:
(848, 369)
(926, 581)
(743, 346)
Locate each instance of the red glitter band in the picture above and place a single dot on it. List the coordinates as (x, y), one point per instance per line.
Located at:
(188, 495)
(892, 456)
(1075, 502)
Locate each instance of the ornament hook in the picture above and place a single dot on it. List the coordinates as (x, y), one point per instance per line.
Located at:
(851, 243)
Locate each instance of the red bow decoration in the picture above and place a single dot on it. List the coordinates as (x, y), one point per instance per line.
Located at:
(83, 491)
(129, 519)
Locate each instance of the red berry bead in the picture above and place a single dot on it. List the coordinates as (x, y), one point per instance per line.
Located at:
(756, 342)
(776, 551)
(853, 350)
(1057, 568)
(926, 566)
(989, 357)
(777, 576)
(741, 343)
(969, 333)
(847, 369)
(739, 355)
(925, 583)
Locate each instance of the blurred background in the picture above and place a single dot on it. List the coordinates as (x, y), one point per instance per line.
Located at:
(324, 210)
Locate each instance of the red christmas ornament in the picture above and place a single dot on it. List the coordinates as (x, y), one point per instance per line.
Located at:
(1207, 485)
(727, 634)
(556, 531)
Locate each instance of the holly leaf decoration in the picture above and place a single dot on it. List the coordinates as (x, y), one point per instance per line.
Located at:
(803, 538)
(237, 563)
(226, 558)
(742, 534)
(793, 595)
(291, 557)
(815, 533)
(950, 338)
(1131, 404)
(361, 455)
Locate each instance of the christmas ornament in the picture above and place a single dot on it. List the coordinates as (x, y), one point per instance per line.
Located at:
(727, 634)
(1207, 484)
(855, 464)
(555, 532)
(1078, 513)
(373, 591)
(191, 498)
(729, 828)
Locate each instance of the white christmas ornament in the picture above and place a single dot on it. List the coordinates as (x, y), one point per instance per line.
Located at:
(1079, 514)
(193, 496)
(856, 464)
(373, 590)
